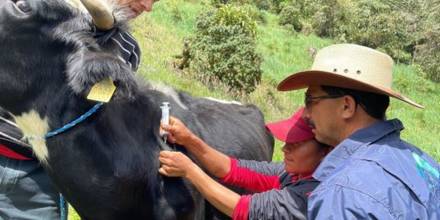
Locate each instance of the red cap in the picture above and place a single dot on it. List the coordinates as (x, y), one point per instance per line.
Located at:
(292, 130)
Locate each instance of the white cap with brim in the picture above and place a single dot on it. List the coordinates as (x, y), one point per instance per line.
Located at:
(348, 66)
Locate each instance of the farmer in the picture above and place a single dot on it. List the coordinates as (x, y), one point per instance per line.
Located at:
(371, 173)
(280, 189)
(26, 192)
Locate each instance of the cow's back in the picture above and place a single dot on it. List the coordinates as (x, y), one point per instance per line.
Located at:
(232, 128)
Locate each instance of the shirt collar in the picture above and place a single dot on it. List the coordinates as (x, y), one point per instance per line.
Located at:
(295, 177)
(349, 146)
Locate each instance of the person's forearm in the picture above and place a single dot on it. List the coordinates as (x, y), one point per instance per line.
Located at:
(219, 196)
(215, 162)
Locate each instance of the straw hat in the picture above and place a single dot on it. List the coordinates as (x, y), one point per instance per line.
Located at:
(348, 66)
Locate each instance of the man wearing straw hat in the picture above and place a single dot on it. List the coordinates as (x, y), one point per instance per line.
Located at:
(371, 173)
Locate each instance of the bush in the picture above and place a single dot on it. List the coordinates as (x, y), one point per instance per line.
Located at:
(260, 4)
(406, 30)
(299, 14)
(277, 5)
(290, 15)
(255, 14)
(371, 23)
(328, 18)
(426, 28)
(377, 25)
(223, 49)
(251, 8)
(428, 54)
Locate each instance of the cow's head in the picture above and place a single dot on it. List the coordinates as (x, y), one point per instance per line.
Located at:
(49, 45)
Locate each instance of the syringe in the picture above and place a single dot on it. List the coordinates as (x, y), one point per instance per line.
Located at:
(165, 107)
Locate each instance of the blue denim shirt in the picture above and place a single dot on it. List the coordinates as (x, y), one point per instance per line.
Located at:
(374, 174)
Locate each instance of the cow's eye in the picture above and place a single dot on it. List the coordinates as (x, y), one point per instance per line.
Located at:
(23, 6)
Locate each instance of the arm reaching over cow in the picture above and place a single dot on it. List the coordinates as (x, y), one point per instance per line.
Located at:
(212, 160)
(280, 190)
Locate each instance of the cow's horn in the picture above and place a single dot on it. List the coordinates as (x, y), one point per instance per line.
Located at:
(101, 14)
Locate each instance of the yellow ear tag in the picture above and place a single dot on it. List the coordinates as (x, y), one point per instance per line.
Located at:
(102, 91)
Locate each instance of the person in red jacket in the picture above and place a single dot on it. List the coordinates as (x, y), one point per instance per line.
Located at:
(280, 189)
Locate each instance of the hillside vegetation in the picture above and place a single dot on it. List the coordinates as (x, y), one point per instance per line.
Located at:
(162, 34)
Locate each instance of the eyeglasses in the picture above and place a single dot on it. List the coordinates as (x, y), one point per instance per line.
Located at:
(308, 100)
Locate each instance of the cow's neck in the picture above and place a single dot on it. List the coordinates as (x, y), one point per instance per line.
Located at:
(49, 113)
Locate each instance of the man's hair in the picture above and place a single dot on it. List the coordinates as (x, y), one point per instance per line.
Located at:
(374, 104)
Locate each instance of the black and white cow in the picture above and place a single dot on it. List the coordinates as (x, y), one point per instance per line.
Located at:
(106, 166)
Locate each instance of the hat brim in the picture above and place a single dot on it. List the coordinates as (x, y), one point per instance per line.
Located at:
(288, 131)
(291, 130)
(304, 79)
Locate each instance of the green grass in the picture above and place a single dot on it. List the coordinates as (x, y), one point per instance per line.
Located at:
(284, 52)
(161, 34)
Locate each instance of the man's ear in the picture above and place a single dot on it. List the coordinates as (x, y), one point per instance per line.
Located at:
(349, 107)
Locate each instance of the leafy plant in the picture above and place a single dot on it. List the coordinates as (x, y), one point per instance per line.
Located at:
(290, 15)
(223, 49)
(371, 23)
(428, 54)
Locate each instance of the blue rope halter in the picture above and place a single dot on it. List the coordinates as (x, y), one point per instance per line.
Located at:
(62, 201)
(74, 122)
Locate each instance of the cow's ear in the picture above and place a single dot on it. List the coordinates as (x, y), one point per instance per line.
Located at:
(86, 68)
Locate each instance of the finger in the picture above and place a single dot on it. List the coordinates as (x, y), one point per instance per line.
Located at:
(165, 127)
(176, 123)
(172, 119)
(169, 171)
(166, 161)
(171, 139)
(163, 172)
(169, 156)
(178, 155)
(162, 159)
(165, 153)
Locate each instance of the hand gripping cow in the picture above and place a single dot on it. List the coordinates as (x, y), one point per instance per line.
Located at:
(105, 163)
